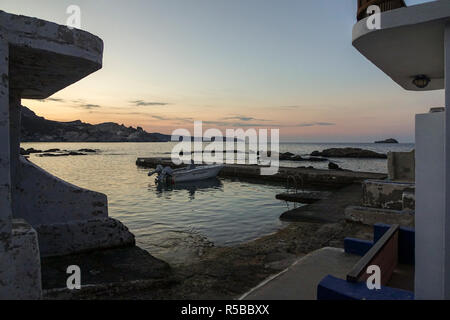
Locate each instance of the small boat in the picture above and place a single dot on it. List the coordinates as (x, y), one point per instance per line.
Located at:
(190, 173)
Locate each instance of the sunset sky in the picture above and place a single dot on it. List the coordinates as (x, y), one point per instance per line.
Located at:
(286, 64)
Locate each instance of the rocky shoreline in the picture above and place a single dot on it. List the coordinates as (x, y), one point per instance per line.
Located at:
(349, 153)
(57, 152)
(227, 272)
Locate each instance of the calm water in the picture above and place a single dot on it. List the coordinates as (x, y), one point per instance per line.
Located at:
(175, 224)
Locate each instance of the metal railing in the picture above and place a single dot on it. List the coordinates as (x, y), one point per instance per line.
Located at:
(385, 5)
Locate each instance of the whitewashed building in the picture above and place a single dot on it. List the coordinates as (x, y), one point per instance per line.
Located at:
(412, 46)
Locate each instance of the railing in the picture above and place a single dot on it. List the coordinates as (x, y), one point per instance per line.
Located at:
(384, 254)
(385, 5)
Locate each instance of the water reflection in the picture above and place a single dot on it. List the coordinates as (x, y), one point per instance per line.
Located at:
(192, 187)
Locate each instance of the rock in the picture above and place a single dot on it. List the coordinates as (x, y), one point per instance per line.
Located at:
(390, 140)
(333, 166)
(297, 158)
(52, 150)
(32, 150)
(88, 150)
(23, 152)
(53, 155)
(349, 153)
(315, 159)
(73, 153)
(286, 156)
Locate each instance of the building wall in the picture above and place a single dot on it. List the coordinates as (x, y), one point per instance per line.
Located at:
(430, 198)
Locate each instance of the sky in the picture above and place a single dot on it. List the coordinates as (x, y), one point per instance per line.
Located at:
(286, 64)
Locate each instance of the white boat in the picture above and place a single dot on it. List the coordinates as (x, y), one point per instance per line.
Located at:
(190, 173)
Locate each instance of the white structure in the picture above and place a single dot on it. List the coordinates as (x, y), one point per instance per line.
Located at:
(37, 59)
(414, 42)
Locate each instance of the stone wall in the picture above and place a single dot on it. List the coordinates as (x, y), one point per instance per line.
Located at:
(385, 194)
(401, 166)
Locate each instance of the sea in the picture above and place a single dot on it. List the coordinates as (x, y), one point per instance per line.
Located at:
(180, 222)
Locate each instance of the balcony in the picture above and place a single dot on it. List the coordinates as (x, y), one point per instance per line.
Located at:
(409, 43)
(385, 5)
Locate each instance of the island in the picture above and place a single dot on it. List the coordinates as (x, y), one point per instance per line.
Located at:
(390, 140)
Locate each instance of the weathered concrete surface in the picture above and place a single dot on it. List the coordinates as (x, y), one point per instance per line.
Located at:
(37, 59)
(371, 216)
(67, 218)
(402, 166)
(45, 199)
(20, 272)
(300, 281)
(6, 262)
(385, 194)
(327, 210)
(26, 259)
(46, 57)
(303, 176)
(409, 201)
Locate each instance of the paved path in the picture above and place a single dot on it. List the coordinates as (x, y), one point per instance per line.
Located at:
(300, 280)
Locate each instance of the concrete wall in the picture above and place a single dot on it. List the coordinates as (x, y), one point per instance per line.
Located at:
(401, 166)
(37, 59)
(372, 216)
(385, 194)
(430, 196)
(20, 273)
(67, 218)
(45, 199)
(6, 260)
(25, 251)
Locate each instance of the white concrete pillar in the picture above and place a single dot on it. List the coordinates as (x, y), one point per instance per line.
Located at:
(446, 224)
(432, 217)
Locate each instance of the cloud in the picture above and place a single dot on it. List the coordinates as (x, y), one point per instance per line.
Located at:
(239, 124)
(142, 103)
(243, 118)
(88, 106)
(163, 118)
(79, 103)
(316, 124)
(52, 100)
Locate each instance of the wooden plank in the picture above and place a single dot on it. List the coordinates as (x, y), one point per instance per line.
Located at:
(384, 253)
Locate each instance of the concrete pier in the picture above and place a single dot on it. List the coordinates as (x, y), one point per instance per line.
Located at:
(303, 177)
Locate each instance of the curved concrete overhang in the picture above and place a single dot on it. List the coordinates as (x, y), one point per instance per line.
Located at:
(409, 43)
(45, 57)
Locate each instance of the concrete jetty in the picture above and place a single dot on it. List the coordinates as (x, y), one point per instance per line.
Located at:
(327, 210)
(300, 177)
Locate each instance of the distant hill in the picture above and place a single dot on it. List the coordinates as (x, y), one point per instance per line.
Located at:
(35, 129)
(390, 140)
